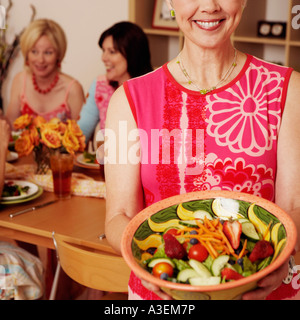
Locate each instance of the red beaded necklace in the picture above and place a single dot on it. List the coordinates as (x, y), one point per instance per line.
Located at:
(38, 89)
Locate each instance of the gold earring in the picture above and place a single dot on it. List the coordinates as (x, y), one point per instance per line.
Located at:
(172, 12)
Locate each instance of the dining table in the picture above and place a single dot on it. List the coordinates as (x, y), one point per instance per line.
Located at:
(79, 220)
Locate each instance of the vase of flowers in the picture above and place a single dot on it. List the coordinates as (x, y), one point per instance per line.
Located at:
(44, 138)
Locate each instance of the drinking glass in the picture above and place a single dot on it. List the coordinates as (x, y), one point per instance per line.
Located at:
(62, 166)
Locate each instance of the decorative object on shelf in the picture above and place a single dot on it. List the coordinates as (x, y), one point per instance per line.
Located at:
(8, 51)
(162, 18)
(43, 138)
(271, 29)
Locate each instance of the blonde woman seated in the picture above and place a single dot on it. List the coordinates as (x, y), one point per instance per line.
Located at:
(41, 88)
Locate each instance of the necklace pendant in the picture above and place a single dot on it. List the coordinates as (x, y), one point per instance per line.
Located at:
(203, 91)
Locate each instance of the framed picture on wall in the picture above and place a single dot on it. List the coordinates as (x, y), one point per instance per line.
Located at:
(162, 18)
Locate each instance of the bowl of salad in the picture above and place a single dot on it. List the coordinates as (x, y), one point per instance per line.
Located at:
(208, 245)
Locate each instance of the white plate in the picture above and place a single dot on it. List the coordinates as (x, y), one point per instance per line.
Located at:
(11, 156)
(80, 160)
(33, 188)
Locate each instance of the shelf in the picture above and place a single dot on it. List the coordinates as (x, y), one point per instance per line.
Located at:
(161, 32)
(245, 38)
(280, 42)
(295, 43)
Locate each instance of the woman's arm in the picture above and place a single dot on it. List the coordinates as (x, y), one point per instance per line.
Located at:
(89, 115)
(4, 137)
(124, 198)
(288, 172)
(76, 99)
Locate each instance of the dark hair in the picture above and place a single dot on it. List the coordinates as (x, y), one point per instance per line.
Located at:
(131, 41)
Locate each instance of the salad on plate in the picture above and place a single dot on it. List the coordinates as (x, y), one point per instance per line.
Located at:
(13, 189)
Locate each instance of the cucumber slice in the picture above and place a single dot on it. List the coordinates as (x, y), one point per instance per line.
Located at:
(249, 231)
(199, 268)
(185, 274)
(188, 223)
(199, 281)
(200, 214)
(218, 264)
(154, 262)
(242, 220)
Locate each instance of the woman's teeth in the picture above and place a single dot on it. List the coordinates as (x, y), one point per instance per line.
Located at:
(207, 25)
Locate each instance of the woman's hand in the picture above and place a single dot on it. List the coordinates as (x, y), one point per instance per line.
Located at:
(268, 284)
(154, 288)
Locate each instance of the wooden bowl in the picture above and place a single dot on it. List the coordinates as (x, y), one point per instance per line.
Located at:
(223, 291)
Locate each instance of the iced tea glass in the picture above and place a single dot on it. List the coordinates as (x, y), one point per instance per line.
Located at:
(62, 166)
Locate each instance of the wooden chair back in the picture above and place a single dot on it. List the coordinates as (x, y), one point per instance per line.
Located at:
(92, 268)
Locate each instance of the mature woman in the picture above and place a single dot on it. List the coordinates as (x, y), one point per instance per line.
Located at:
(41, 88)
(245, 114)
(125, 54)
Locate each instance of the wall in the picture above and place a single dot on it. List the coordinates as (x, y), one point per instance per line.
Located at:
(83, 22)
(276, 10)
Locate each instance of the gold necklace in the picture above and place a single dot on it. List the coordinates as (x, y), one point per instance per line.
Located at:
(205, 91)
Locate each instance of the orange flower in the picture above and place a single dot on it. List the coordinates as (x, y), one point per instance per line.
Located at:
(62, 127)
(34, 135)
(22, 122)
(50, 138)
(54, 134)
(24, 144)
(82, 144)
(38, 121)
(74, 128)
(70, 142)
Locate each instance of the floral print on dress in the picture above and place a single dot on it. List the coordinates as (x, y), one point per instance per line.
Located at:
(102, 96)
(246, 117)
(236, 175)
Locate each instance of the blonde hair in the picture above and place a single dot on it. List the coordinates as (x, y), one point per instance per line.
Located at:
(39, 28)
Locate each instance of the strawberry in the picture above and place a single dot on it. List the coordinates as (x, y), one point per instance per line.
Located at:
(173, 248)
(233, 230)
(230, 274)
(261, 250)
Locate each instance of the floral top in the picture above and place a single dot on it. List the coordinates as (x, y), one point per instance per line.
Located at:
(226, 139)
(62, 111)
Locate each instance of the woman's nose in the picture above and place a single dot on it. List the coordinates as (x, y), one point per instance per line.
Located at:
(40, 57)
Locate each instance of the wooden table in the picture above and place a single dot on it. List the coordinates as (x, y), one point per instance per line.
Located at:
(80, 220)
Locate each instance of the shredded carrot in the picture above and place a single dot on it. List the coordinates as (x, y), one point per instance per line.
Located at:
(208, 224)
(208, 249)
(210, 235)
(215, 254)
(243, 250)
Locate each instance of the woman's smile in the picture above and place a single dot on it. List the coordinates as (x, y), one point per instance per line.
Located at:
(209, 25)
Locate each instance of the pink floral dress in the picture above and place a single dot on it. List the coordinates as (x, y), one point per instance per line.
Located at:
(226, 139)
